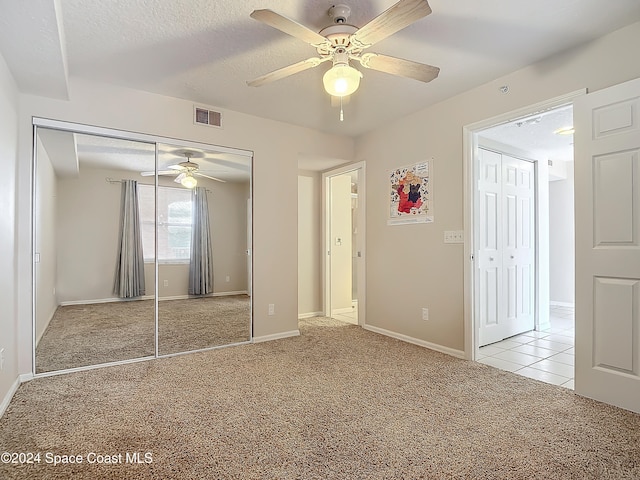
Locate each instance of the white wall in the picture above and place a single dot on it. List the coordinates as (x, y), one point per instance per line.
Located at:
(562, 239)
(276, 146)
(309, 243)
(409, 267)
(8, 228)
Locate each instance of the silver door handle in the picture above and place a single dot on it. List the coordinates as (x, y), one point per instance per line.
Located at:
(491, 259)
(512, 257)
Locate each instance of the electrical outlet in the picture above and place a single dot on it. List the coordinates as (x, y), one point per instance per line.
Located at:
(272, 309)
(228, 279)
(425, 314)
(166, 283)
(1, 358)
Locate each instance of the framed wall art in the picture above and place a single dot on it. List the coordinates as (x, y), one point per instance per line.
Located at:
(410, 198)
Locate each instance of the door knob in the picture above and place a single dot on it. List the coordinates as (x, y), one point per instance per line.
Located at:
(491, 259)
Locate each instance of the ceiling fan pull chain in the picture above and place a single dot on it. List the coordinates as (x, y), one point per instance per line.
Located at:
(341, 111)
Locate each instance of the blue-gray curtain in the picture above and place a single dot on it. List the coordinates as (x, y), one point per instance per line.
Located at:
(129, 278)
(201, 263)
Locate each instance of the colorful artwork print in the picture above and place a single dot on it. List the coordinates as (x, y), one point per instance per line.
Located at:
(410, 193)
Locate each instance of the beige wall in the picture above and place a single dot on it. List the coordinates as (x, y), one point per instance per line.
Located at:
(45, 242)
(276, 146)
(309, 243)
(88, 215)
(8, 231)
(87, 234)
(409, 267)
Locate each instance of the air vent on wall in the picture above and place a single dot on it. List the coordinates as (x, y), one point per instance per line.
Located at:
(204, 116)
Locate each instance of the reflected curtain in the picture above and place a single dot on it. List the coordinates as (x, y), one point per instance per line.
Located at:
(201, 263)
(129, 278)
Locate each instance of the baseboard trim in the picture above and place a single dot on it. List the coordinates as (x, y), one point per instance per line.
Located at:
(224, 294)
(310, 315)
(7, 398)
(150, 297)
(338, 311)
(276, 336)
(416, 341)
(561, 304)
(217, 294)
(104, 300)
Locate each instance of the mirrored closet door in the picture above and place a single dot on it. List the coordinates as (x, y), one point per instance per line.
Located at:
(202, 227)
(120, 224)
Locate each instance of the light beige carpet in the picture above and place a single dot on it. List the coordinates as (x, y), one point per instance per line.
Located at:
(338, 402)
(80, 335)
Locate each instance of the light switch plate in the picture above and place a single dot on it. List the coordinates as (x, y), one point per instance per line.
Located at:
(454, 236)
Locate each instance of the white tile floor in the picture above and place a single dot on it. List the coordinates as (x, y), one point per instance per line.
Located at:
(545, 355)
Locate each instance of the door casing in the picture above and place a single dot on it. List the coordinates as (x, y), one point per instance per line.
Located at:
(470, 146)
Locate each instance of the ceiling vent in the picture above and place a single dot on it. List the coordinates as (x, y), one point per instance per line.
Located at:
(204, 116)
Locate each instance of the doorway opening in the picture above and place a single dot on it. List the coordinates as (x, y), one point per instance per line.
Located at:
(520, 296)
(344, 224)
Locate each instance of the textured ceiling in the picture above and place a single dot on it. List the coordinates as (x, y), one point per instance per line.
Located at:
(204, 51)
(535, 134)
(68, 152)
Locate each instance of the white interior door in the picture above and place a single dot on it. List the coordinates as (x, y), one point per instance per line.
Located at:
(506, 251)
(340, 248)
(518, 253)
(607, 195)
(344, 233)
(489, 256)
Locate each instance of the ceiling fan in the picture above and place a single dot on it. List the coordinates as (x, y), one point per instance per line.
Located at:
(185, 172)
(341, 42)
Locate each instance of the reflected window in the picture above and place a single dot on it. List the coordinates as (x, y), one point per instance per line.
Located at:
(175, 207)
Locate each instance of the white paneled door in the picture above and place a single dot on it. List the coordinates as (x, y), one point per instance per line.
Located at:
(506, 250)
(607, 195)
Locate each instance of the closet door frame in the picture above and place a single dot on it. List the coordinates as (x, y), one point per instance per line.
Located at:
(38, 122)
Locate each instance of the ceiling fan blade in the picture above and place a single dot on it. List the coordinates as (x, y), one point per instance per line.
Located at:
(160, 172)
(399, 66)
(207, 176)
(399, 16)
(290, 27)
(286, 71)
(179, 178)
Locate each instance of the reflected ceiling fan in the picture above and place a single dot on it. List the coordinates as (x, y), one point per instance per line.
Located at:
(340, 43)
(185, 172)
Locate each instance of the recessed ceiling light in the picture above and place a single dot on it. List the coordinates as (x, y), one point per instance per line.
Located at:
(565, 131)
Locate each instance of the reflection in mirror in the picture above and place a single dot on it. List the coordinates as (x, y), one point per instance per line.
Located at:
(82, 315)
(204, 266)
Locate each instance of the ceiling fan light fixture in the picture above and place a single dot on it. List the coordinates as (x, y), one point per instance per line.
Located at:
(569, 130)
(189, 181)
(341, 80)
